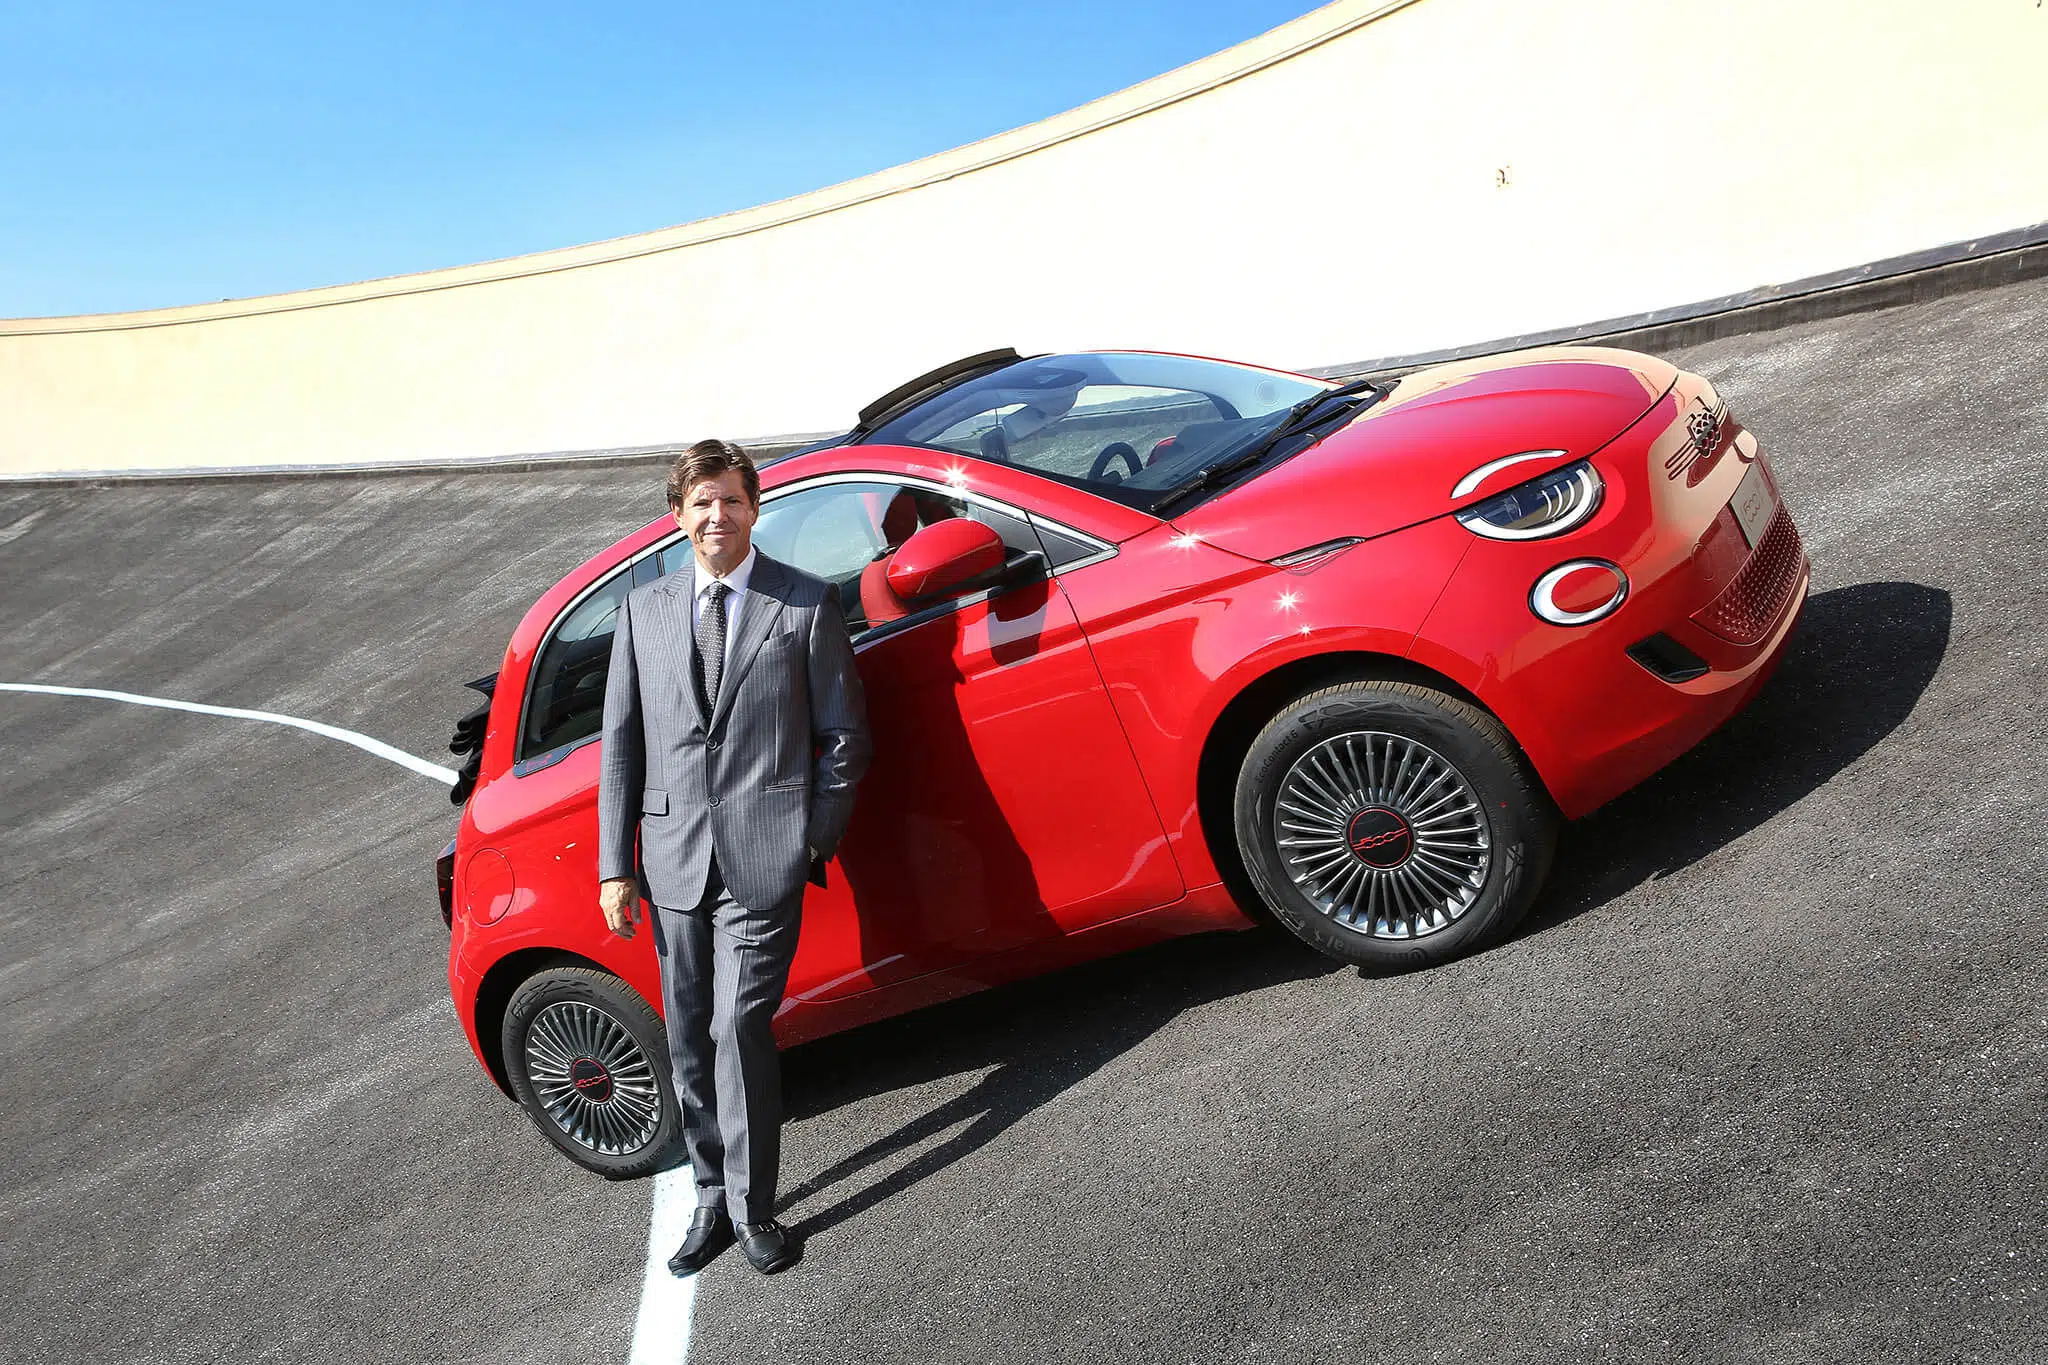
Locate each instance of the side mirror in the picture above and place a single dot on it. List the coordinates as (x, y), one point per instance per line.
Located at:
(943, 556)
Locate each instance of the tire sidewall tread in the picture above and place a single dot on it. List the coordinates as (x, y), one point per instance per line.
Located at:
(1522, 821)
(623, 1003)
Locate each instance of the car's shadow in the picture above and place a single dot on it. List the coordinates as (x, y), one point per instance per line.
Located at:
(1856, 667)
(1859, 662)
(1033, 1039)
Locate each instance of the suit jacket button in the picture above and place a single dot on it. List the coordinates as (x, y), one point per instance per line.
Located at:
(712, 744)
(714, 801)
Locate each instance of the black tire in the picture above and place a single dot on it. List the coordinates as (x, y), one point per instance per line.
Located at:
(1327, 774)
(589, 1060)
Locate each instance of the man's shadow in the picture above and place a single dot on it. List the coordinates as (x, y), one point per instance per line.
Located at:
(1035, 1040)
(1858, 663)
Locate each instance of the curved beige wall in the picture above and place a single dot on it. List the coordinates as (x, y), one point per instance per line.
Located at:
(1325, 193)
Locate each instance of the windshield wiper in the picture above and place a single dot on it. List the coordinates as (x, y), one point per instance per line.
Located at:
(1308, 413)
(1303, 414)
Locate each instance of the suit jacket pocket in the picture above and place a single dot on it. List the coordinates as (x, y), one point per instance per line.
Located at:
(654, 801)
(794, 784)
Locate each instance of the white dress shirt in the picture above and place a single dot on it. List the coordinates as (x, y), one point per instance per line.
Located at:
(737, 580)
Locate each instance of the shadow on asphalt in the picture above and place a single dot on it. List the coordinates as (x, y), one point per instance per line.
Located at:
(1035, 1039)
(1859, 660)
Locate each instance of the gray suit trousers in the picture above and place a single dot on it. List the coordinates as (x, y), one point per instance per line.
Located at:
(723, 970)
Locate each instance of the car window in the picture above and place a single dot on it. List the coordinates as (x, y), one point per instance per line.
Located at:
(846, 534)
(565, 701)
(1102, 416)
(1123, 425)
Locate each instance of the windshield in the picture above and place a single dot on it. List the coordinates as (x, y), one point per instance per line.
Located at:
(1125, 425)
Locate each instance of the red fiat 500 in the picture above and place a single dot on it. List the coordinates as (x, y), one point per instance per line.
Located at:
(1136, 629)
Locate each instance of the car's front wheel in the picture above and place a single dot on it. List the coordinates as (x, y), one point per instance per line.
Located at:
(589, 1060)
(1391, 826)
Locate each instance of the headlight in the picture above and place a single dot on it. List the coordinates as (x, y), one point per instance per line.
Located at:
(1546, 506)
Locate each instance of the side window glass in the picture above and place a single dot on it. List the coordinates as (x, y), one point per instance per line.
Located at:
(1068, 435)
(833, 532)
(565, 696)
(1062, 549)
(909, 510)
(846, 534)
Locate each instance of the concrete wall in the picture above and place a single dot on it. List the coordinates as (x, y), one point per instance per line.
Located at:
(1371, 179)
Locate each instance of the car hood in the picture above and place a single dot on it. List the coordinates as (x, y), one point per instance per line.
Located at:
(1398, 463)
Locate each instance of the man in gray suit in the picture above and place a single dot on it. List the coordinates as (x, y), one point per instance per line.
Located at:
(734, 731)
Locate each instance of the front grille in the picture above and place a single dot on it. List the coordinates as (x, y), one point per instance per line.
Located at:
(1754, 599)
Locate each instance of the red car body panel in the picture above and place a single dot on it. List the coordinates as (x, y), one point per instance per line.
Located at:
(1397, 464)
(970, 859)
(1225, 621)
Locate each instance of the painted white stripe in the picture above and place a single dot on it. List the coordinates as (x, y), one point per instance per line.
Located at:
(661, 1331)
(363, 742)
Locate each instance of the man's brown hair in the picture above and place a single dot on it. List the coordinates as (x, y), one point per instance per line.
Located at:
(707, 460)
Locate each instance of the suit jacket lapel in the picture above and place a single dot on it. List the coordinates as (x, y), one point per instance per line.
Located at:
(681, 586)
(760, 606)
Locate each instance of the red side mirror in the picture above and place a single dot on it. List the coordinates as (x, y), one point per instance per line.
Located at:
(943, 556)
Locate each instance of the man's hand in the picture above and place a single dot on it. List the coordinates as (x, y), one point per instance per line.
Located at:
(619, 898)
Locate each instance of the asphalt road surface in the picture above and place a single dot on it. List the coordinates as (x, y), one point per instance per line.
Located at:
(1763, 1078)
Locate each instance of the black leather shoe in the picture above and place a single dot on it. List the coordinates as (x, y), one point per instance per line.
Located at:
(769, 1246)
(710, 1233)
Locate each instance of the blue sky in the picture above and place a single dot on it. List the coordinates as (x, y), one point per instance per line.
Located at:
(162, 154)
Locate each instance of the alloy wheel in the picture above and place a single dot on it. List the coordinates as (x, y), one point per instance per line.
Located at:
(1382, 834)
(592, 1078)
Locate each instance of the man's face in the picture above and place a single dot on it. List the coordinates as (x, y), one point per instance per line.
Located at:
(719, 518)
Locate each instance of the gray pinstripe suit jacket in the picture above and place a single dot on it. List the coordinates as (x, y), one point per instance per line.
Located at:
(763, 779)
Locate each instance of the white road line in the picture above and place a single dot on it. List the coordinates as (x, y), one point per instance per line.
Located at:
(661, 1332)
(363, 742)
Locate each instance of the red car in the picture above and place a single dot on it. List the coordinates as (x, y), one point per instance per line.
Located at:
(1152, 643)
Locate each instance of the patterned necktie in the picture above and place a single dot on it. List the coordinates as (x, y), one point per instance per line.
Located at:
(711, 644)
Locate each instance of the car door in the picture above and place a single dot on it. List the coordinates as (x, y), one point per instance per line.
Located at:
(1003, 805)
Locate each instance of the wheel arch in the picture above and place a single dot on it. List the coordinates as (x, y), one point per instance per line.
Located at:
(1246, 713)
(494, 995)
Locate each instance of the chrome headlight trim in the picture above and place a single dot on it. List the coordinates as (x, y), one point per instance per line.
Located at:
(1563, 499)
(1487, 471)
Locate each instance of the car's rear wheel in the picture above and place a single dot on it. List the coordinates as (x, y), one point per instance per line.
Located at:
(589, 1060)
(1391, 826)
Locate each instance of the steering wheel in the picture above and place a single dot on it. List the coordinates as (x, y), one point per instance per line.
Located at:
(1110, 452)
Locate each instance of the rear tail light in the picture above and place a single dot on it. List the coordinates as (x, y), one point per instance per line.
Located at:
(444, 874)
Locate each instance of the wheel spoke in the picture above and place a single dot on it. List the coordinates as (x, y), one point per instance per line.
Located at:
(567, 1031)
(1399, 786)
(1321, 818)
